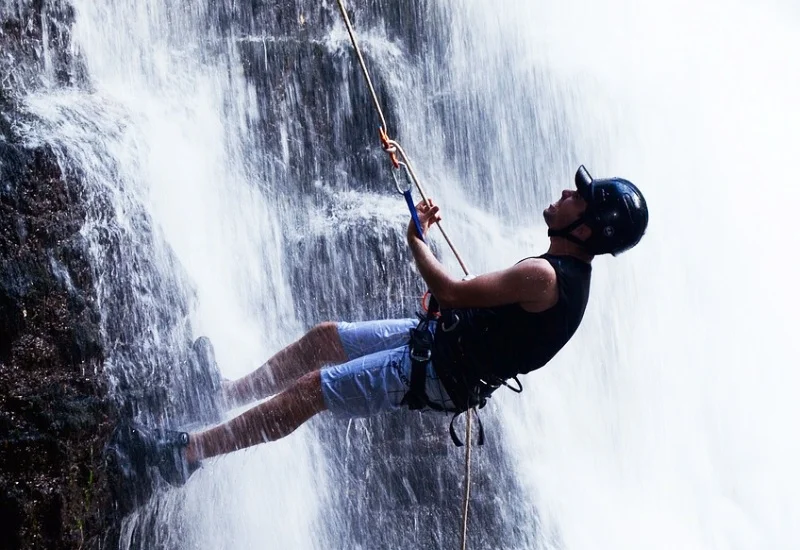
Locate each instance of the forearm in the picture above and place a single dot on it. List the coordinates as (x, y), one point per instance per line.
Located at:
(433, 272)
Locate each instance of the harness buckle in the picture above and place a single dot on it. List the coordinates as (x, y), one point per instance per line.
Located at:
(421, 357)
(452, 327)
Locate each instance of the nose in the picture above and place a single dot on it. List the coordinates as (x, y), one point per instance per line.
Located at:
(565, 194)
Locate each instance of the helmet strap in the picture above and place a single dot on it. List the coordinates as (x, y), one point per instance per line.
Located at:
(566, 232)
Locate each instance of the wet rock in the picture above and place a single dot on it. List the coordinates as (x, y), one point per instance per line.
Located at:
(35, 48)
(53, 418)
(53, 415)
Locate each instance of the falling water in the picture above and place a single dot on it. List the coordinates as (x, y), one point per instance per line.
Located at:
(668, 422)
(237, 192)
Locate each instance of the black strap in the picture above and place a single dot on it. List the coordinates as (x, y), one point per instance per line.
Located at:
(518, 389)
(421, 350)
(566, 232)
(433, 308)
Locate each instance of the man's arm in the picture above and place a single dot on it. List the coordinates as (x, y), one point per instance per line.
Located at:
(531, 283)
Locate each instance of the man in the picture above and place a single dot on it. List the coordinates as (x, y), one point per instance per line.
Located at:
(492, 328)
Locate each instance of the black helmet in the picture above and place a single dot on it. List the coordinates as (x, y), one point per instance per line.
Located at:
(616, 214)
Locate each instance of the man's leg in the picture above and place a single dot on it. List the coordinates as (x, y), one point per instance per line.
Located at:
(268, 421)
(318, 347)
(365, 386)
(325, 344)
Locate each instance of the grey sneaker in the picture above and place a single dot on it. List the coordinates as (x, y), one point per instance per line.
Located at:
(162, 449)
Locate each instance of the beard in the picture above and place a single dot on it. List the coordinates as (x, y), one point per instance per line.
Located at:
(548, 215)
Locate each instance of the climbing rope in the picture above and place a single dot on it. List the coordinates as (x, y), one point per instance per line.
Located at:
(467, 479)
(393, 149)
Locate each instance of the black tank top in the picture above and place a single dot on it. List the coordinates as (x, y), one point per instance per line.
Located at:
(502, 342)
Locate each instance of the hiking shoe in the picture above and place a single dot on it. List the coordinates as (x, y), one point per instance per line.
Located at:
(162, 449)
(171, 452)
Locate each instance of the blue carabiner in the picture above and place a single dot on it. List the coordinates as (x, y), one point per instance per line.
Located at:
(413, 210)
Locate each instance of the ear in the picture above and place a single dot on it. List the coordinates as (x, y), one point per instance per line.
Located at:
(583, 232)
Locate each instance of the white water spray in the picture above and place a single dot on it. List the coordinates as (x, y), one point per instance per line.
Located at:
(178, 143)
(668, 421)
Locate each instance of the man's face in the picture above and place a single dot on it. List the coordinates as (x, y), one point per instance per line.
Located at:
(566, 210)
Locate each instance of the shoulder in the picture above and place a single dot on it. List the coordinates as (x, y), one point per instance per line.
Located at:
(536, 269)
(538, 283)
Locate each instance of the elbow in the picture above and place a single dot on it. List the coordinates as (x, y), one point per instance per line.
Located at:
(447, 294)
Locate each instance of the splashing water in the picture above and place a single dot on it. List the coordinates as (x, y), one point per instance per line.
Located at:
(665, 423)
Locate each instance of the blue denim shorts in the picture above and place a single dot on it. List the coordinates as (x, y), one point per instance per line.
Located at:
(377, 374)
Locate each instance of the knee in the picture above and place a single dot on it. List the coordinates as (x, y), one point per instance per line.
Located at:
(308, 392)
(310, 383)
(322, 344)
(323, 332)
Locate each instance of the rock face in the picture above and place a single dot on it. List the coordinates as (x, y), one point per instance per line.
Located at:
(53, 417)
(58, 488)
(34, 41)
(56, 412)
(53, 420)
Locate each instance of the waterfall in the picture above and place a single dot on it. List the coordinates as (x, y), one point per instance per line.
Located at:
(237, 191)
(666, 423)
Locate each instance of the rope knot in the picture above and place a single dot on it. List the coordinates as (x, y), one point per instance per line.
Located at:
(389, 147)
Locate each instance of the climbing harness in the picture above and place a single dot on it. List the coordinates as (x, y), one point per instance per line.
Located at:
(421, 343)
(463, 394)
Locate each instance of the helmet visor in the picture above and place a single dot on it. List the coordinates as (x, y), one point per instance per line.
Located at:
(583, 181)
